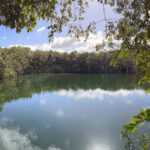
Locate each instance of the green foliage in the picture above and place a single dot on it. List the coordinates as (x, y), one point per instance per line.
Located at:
(131, 129)
(133, 30)
(16, 61)
(20, 14)
(13, 61)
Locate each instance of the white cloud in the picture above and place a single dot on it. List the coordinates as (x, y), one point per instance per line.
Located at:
(96, 144)
(53, 148)
(41, 29)
(129, 101)
(60, 113)
(4, 37)
(98, 93)
(12, 139)
(44, 47)
(42, 102)
(69, 44)
(63, 42)
(31, 134)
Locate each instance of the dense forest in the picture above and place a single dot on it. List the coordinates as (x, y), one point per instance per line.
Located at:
(16, 61)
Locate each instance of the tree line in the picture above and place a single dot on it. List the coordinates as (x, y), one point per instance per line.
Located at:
(16, 61)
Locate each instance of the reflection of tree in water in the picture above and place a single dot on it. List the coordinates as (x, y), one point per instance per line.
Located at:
(28, 85)
(137, 132)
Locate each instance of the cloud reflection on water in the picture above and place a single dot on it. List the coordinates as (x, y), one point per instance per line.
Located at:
(98, 93)
(12, 139)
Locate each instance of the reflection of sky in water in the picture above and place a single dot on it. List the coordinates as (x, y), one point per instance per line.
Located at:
(99, 94)
(69, 120)
(12, 139)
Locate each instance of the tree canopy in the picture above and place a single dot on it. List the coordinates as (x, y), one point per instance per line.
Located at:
(20, 14)
(133, 30)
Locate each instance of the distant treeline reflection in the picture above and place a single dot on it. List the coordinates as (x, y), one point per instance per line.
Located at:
(26, 86)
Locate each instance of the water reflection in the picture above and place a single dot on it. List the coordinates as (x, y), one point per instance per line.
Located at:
(68, 112)
(13, 139)
(24, 87)
(96, 144)
(100, 94)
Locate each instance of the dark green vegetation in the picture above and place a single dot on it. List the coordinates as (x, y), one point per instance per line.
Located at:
(17, 61)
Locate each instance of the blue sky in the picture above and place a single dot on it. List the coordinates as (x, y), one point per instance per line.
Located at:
(38, 39)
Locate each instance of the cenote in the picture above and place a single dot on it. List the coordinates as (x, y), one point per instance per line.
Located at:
(68, 111)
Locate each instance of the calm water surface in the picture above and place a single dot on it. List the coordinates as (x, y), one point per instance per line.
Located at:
(68, 112)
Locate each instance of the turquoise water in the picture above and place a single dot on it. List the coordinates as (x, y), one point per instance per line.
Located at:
(68, 112)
